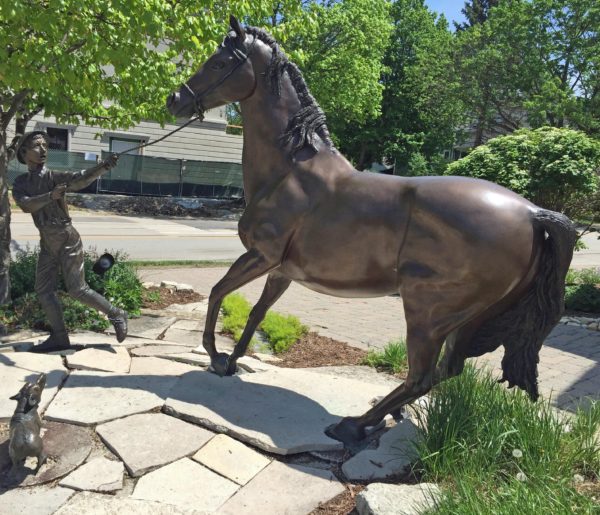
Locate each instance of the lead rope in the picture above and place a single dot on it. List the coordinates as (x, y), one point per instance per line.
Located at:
(148, 143)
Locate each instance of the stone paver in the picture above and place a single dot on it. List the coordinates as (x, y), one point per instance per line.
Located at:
(13, 378)
(33, 501)
(98, 475)
(189, 325)
(147, 441)
(185, 484)
(105, 360)
(159, 367)
(395, 452)
(147, 327)
(90, 397)
(231, 459)
(386, 499)
(283, 488)
(359, 373)
(284, 411)
(159, 350)
(88, 503)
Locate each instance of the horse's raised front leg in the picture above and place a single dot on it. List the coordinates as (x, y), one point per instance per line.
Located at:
(423, 352)
(274, 289)
(247, 267)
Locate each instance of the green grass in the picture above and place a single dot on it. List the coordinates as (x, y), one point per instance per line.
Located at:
(179, 263)
(281, 331)
(392, 358)
(496, 452)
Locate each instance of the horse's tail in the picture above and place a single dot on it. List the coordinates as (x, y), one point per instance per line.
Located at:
(524, 326)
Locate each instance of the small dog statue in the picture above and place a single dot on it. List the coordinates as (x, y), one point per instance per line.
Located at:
(25, 425)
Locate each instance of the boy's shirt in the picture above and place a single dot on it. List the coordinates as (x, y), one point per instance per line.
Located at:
(44, 210)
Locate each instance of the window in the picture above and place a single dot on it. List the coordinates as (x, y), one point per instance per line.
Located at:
(59, 138)
(120, 144)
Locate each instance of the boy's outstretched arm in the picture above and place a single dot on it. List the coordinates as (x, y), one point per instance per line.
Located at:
(80, 180)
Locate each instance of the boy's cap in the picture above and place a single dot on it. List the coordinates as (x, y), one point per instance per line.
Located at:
(27, 137)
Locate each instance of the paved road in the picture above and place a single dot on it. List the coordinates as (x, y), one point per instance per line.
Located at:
(144, 237)
(186, 239)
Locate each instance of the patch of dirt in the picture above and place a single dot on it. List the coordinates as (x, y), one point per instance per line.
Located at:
(313, 350)
(342, 504)
(160, 298)
(590, 489)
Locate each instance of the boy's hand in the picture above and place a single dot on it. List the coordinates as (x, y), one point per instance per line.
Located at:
(58, 191)
(110, 162)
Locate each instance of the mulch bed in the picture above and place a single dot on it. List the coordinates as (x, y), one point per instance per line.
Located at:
(341, 504)
(313, 350)
(168, 297)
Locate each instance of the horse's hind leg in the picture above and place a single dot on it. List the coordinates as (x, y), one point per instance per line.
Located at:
(455, 354)
(423, 349)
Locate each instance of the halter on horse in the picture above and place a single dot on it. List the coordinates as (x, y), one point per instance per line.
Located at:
(477, 265)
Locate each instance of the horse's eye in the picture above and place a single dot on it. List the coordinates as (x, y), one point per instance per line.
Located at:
(217, 65)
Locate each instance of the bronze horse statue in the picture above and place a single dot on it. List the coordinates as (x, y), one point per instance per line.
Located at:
(477, 266)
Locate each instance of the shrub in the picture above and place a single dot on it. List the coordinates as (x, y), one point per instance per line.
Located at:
(554, 168)
(393, 357)
(583, 297)
(120, 285)
(497, 452)
(281, 331)
(236, 310)
(582, 292)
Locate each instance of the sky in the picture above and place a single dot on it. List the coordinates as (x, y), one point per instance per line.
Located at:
(450, 8)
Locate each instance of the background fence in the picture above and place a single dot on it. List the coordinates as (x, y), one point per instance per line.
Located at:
(155, 176)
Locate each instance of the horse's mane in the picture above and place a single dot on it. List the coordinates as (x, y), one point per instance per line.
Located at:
(310, 119)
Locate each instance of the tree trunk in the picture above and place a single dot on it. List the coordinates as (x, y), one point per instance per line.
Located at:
(4, 223)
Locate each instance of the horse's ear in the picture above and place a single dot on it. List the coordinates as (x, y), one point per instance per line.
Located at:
(237, 28)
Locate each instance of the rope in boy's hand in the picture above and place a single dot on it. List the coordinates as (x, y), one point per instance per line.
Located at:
(111, 161)
(58, 191)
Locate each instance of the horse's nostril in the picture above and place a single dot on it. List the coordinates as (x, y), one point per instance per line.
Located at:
(173, 99)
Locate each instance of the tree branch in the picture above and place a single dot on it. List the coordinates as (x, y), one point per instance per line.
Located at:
(16, 104)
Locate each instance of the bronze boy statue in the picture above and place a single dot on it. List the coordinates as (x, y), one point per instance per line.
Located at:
(41, 192)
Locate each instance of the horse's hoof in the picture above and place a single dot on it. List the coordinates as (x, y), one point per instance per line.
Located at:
(222, 365)
(348, 431)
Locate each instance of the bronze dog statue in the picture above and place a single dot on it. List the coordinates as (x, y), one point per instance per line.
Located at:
(25, 425)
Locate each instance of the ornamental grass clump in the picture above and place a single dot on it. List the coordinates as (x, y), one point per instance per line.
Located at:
(392, 358)
(495, 451)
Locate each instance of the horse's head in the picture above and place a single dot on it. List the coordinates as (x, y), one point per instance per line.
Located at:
(227, 76)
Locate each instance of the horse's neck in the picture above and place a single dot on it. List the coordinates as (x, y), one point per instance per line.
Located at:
(264, 158)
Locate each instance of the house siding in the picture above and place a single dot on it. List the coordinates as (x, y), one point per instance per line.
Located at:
(202, 141)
